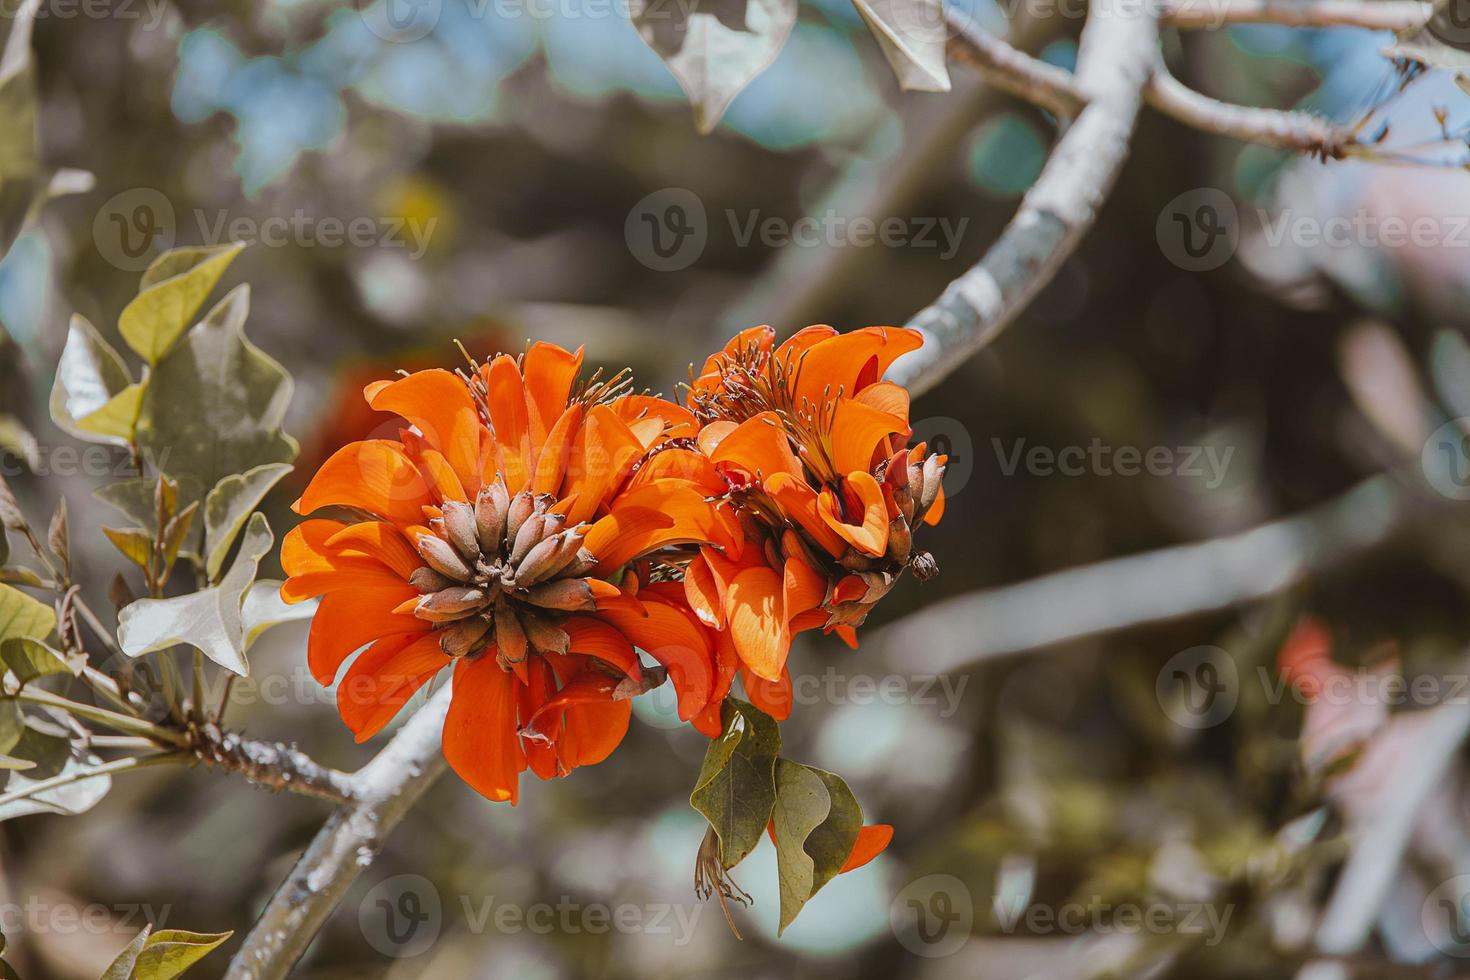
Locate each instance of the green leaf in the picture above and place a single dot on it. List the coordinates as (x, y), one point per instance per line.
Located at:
(737, 783)
(714, 48)
(94, 397)
(49, 751)
(69, 799)
(169, 952)
(12, 727)
(816, 820)
(135, 543)
(173, 289)
(210, 620)
(912, 35)
(229, 504)
(137, 499)
(122, 967)
(264, 608)
(176, 531)
(28, 658)
(215, 404)
(16, 438)
(13, 764)
(1443, 41)
(20, 615)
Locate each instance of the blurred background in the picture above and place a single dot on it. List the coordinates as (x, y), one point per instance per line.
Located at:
(496, 172)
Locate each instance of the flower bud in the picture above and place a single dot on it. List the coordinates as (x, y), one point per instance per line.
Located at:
(565, 595)
(900, 540)
(442, 557)
(510, 637)
(522, 506)
(460, 529)
(543, 635)
(529, 535)
(933, 481)
(463, 637)
(924, 566)
(490, 512)
(548, 558)
(447, 605)
(426, 580)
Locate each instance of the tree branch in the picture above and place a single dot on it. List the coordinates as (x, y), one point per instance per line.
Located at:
(1298, 131)
(1171, 583)
(1118, 48)
(272, 765)
(1058, 92)
(384, 790)
(1382, 15)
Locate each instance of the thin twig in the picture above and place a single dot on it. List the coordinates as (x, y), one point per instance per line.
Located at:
(1117, 53)
(1383, 15)
(272, 765)
(1013, 71)
(127, 724)
(1298, 131)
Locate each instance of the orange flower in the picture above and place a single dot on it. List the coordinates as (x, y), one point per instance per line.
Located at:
(810, 441)
(497, 534)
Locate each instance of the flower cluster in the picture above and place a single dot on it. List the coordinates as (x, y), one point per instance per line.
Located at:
(536, 532)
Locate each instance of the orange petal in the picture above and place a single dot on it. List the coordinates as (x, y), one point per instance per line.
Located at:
(603, 455)
(846, 361)
(681, 464)
(531, 697)
(604, 641)
(587, 688)
(758, 625)
(656, 515)
(802, 588)
(870, 537)
(673, 637)
(703, 593)
(375, 476)
(848, 634)
(380, 540)
(713, 434)
(677, 421)
(350, 618)
(802, 341)
(480, 739)
(443, 481)
(304, 548)
(772, 697)
(551, 460)
(550, 372)
(383, 678)
(439, 405)
(759, 447)
(936, 509)
(857, 432)
(888, 397)
(872, 840)
(799, 503)
(506, 396)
